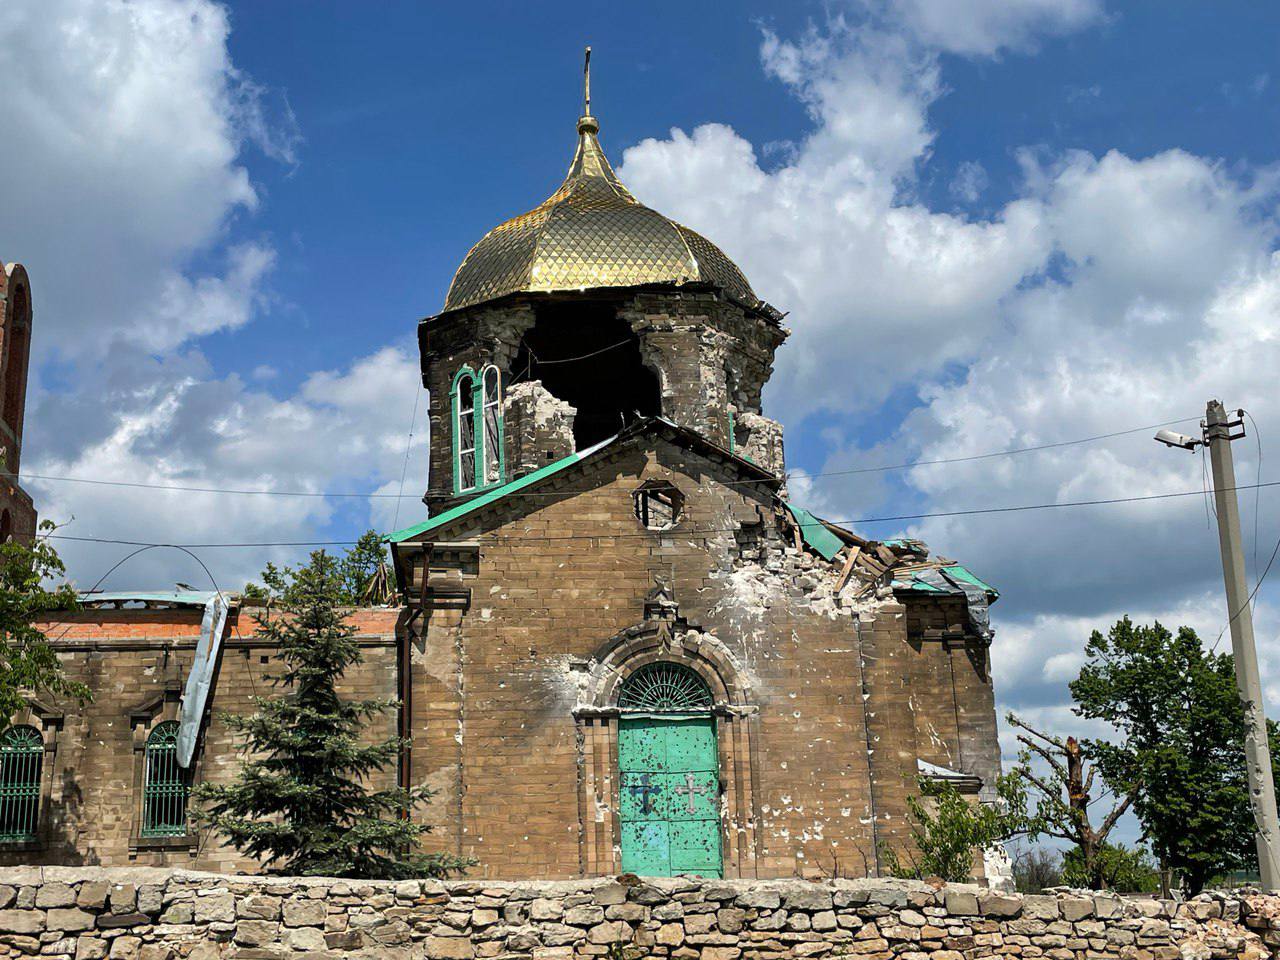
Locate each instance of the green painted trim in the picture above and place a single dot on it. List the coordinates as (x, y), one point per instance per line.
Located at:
(815, 532)
(454, 422)
(492, 495)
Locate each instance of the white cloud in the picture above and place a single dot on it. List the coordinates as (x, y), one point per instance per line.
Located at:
(125, 125)
(985, 27)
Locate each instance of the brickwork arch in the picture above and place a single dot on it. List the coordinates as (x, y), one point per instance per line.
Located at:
(626, 652)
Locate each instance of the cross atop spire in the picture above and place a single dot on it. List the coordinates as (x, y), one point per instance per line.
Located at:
(587, 123)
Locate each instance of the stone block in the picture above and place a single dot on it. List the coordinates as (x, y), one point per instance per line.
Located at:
(609, 893)
(811, 898)
(545, 909)
(178, 913)
(22, 921)
(584, 916)
(721, 953)
(256, 933)
(450, 948)
(824, 920)
(670, 935)
(994, 905)
(55, 894)
(215, 908)
(110, 921)
(961, 903)
(631, 912)
(71, 919)
(125, 948)
(123, 898)
(91, 948)
(759, 899)
(305, 938)
(483, 918)
(303, 913)
(150, 898)
(258, 906)
(93, 894)
(1075, 908)
(1040, 907)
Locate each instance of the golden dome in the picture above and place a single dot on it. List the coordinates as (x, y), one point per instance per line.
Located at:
(591, 233)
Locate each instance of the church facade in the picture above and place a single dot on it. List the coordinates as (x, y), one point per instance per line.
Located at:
(621, 648)
(629, 651)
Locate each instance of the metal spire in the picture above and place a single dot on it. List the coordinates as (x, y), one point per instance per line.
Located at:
(587, 123)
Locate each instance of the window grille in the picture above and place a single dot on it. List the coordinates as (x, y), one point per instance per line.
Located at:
(165, 788)
(665, 688)
(21, 757)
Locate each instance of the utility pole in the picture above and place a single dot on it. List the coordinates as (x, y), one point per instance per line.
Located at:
(1262, 791)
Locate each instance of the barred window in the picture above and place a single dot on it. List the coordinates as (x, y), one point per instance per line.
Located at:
(165, 788)
(21, 757)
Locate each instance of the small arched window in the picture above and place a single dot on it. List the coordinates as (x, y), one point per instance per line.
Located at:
(464, 431)
(164, 787)
(21, 759)
(491, 412)
(477, 429)
(665, 687)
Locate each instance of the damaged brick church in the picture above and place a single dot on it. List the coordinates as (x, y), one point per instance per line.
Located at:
(621, 647)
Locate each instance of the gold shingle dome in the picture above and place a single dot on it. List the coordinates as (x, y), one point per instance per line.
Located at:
(591, 233)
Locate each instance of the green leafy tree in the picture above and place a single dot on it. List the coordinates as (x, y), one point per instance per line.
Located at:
(301, 802)
(1114, 867)
(362, 576)
(948, 831)
(1179, 746)
(27, 661)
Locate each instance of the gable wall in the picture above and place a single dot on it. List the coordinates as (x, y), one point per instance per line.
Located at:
(500, 679)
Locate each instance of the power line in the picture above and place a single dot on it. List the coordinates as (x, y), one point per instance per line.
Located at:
(179, 488)
(694, 532)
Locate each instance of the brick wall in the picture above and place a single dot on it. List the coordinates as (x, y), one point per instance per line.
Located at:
(135, 662)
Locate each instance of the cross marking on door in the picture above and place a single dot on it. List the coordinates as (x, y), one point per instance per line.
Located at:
(689, 790)
(644, 789)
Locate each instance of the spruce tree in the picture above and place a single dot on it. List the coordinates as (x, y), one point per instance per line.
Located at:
(301, 803)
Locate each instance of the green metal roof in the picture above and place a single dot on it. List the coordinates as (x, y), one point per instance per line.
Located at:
(494, 494)
(908, 580)
(815, 532)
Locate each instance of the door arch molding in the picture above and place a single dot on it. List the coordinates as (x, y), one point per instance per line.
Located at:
(597, 716)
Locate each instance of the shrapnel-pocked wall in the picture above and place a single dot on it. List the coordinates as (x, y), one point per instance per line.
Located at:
(155, 914)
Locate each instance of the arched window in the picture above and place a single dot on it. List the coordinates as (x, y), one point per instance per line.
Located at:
(665, 688)
(164, 787)
(477, 429)
(21, 758)
(464, 431)
(491, 411)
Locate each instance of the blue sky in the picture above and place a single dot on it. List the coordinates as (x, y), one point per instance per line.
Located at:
(995, 224)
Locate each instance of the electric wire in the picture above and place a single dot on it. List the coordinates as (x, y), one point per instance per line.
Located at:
(695, 532)
(408, 446)
(179, 488)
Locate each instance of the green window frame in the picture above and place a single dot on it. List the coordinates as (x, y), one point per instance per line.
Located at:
(165, 785)
(479, 448)
(21, 765)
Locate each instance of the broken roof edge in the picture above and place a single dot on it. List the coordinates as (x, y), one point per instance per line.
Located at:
(181, 598)
(691, 438)
(952, 571)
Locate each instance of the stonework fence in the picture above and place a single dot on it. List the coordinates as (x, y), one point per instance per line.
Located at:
(153, 914)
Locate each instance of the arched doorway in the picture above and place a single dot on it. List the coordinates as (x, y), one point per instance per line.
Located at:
(669, 780)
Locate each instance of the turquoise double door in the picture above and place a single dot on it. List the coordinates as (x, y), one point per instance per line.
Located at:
(670, 796)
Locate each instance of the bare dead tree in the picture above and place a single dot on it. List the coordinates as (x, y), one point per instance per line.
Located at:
(1065, 795)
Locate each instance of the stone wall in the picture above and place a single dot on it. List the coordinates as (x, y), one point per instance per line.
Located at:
(153, 914)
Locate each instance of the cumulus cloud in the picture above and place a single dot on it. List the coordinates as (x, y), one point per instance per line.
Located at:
(126, 130)
(985, 27)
